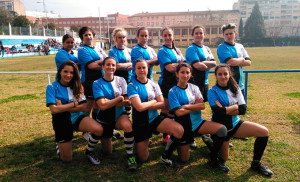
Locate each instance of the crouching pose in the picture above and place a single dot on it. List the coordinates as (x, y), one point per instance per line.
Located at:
(146, 98)
(66, 100)
(227, 102)
(110, 93)
(186, 101)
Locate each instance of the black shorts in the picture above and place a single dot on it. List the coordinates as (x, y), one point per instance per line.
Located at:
(108, 127)
(189, 134)
(232, 131)
(63, 127)
(144, 130)
(88, 89)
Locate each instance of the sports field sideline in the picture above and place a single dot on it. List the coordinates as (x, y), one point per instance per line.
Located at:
(27, 148)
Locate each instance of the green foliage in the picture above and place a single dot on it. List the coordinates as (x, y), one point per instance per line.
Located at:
(255, 27)
(75, 28)
(18, 97)
(241, 28)
(293, 94)
(20, 21)
(294, 117)
(5, 17)
(51, 26)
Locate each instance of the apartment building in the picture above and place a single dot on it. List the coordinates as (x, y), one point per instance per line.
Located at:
(281, 17)
(14, 6)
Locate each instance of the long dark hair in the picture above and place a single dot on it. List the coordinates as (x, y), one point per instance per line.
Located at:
(173, 42)
(232, 85)
(75, 83)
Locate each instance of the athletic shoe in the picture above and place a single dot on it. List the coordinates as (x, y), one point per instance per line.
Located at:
(208, 141)
(131, 163)
(117, 135)
(169, 162)
(219, 165)
(85, 136)
(92, 157)
(150, 142)
(260, 168)
(230, 145)
(165, 140)
(193, 145)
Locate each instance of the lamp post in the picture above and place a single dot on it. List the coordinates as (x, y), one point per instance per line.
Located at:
(44, 6)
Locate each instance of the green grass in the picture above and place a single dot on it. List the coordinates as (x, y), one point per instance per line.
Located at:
(27, 148)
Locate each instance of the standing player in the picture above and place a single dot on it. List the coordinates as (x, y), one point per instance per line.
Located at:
(66, 101)
(168, 57)
(227, 103)
(111, 96)
(142, 50)
(186, 101)
(146, 99)
(234, 54)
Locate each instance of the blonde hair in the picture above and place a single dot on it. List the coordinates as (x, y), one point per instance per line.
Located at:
(117, 32)
(229, 26)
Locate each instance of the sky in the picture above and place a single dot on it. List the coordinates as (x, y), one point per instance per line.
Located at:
(76, 8)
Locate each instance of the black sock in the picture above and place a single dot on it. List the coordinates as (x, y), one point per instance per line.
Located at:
(170, 147)
(259, 148)
(218, 141)
(93, 140)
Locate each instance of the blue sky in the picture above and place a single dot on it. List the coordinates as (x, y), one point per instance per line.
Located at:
(73, 8)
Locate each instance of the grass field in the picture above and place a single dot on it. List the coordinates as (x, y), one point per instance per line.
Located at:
(27, 148)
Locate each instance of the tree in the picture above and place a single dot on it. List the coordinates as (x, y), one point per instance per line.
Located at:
(20, 21)
(254, 27)
(51, 26)
(241, 27)
(75, 28)
(5, 17)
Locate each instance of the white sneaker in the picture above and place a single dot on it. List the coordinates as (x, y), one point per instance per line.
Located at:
(85, 136)
(92, 158)
(166, 161)
(193, 145)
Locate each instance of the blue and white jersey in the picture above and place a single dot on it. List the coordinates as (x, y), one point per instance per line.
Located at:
(183, 96)
(146, 53)
(226, 98)
(195, 53)
(167, 56)
(121, 56)
(146, 92)
(65, 95)
(227, 51)
(100, 52)
(87, 55)
(110, 90)
(62, 55)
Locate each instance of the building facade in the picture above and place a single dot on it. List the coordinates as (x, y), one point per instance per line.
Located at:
(281, 17)
(14, 6)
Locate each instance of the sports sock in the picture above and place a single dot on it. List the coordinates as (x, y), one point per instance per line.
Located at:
(217, 144)
(170, 147)
(259, 147)
(129, 142)
(93, 140)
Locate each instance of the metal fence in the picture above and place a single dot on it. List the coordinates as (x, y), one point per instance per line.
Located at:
(158, 72)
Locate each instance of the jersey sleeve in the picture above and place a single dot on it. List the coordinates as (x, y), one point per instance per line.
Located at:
(84, 56)
(245, 53)
(180, 54)
(173, 100)
(123, 84)
(135, 54)
(211, 97)
(191, 56)
(197, 92)
(97, 91)
(153, 53)
(157, 90)
(82, 99)
(50, 96)
(131, 91)
(210, 56)
(223, 54)
(163, 57)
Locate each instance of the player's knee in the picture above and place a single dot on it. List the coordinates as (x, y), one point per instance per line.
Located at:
(222, 132)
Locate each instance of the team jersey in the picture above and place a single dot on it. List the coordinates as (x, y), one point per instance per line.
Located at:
(100, 52)
(110, 90)
(65, 95)
(167, 56)
(146, 92)
(121, 56)
(87, 55)
(62, 55)
(226, 98)
(227, 51)
(146, 53)
(183, 96)
(195, 53)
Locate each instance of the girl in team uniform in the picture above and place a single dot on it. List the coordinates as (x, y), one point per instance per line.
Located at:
(142, 50)
(66, 52)
(186, 101)
(110, 94)
(227, 102)
(66, 101)
(146, 99)
(122, 54)
(168, 57)
(201, 59)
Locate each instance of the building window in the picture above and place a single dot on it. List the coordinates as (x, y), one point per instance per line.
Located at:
(184, 40)
(184, 31)
(177, 32)
(152, 23)
(214, 31)
(148, 23)
(157, 23)
(89, 21)
(207, 30)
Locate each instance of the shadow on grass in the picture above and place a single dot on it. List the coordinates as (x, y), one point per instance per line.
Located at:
(37, 161)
